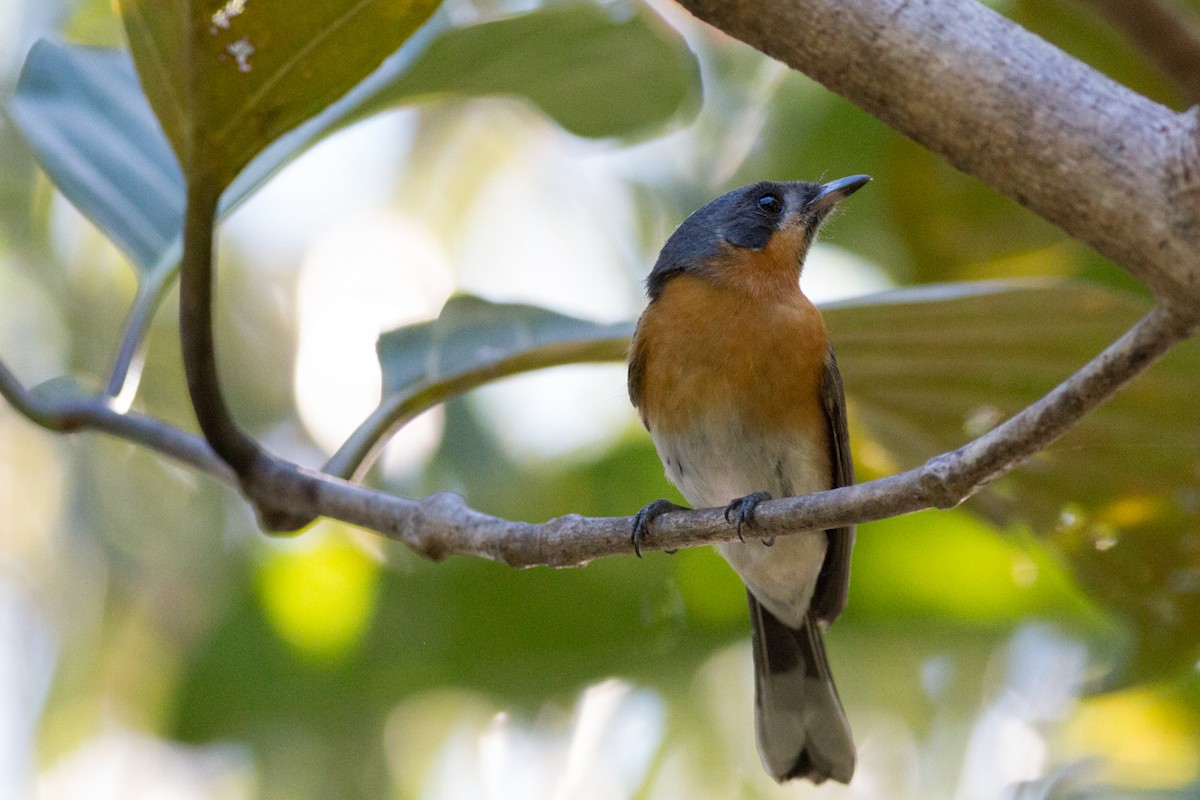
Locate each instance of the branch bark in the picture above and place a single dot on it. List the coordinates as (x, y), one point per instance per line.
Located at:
(1105, 164)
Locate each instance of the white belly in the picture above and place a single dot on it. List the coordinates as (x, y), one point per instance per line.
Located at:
(721, 461)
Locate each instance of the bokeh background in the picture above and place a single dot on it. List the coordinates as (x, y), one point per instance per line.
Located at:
(154, 644)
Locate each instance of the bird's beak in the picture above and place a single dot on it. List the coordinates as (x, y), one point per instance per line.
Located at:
(835, 192)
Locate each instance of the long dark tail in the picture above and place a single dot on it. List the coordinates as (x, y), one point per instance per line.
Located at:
(802, 729)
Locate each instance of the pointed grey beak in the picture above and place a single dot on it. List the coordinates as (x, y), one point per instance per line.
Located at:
(835, 192)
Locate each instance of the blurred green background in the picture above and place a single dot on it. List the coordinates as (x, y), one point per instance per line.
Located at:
(154, 644)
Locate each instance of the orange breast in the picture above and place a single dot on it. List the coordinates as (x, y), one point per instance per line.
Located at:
(701, 348)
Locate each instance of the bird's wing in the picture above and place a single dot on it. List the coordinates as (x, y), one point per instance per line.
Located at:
(833, 583)
(637, 367)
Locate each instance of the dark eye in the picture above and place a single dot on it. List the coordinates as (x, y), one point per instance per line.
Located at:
(770, 204)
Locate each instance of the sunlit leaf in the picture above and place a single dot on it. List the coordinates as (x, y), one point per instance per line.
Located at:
(952, 565)
(226, 80)
(1140, 738)
(319, 598)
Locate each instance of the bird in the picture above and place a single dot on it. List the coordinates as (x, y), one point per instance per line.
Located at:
(732, 373)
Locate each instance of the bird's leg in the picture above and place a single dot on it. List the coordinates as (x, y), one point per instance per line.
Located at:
(741, 511)
(643, 518)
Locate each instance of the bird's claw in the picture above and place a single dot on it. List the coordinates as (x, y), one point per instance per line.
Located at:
(643, 518)
(741, 512)
(729, 517)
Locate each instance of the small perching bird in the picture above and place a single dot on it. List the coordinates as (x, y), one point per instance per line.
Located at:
(732, 374)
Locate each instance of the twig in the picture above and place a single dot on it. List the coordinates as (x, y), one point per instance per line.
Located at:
(66, 415)
(356, 455)
(1167, 33)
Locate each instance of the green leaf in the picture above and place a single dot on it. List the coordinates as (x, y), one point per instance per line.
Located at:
(226, 80)
(929, 368)
(472, 342)
(475, 337)
(594, 73)
(84, 114)
(1116, 497)
(81, 111)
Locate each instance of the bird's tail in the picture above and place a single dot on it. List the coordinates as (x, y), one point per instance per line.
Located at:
(802, 729)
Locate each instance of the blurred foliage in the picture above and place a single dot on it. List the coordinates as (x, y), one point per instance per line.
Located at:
(340, 665)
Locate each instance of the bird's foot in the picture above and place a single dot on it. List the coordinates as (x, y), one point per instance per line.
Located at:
(643, 518)
(741, 512)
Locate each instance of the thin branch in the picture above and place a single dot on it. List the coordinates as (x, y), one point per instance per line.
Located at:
(78, 413)
(1167, 33)
(443, 524)
(1110, 167)
(24, 401)
(127, 367)
(356, 455)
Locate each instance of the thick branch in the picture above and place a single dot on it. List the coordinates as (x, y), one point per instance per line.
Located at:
(1105, 164)
(1167, 33)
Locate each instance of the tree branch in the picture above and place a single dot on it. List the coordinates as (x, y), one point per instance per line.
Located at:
(1167, 33)
(77, 413)
(443, 524)
(1108, 166)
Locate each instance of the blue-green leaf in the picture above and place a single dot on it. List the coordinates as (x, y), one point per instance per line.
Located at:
(593, 72)
(91, 127)
(472, 341)
(85, 117)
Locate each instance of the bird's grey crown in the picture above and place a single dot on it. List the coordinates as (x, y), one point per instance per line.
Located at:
(733, 219)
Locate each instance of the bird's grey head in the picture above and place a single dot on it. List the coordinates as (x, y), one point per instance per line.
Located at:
(749, 219)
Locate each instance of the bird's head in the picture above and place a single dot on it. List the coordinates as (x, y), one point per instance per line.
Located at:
(753, 238)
